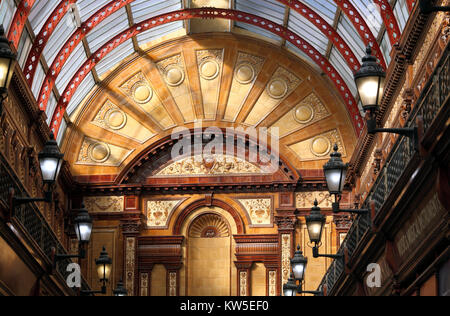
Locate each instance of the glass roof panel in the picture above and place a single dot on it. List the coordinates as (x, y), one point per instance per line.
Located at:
(158, 32)
(326, 8)
(61, 34)
(115, 24)
(350, 35)
(7, 11)
(300, 25)
(341, 66)
(401, 12)
(74, 62)
(88, 7)
(142, 11)
(115, 57)
(371, 12)
(268, 9)
(40, 12)
(82, 91)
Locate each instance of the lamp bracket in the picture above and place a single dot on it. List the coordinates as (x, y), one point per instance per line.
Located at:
(17, 201)
(337, 210)
(317, 255)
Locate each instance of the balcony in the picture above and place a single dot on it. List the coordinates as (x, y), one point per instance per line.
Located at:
(28, 223)
(401, 167)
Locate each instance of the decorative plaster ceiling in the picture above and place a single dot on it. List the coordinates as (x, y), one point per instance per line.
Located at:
(222, 80)
(69, 47)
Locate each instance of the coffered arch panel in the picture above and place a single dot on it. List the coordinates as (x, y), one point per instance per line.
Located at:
(222, 81)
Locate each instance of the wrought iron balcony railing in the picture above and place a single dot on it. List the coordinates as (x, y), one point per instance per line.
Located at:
(432, 100)
(32, 222)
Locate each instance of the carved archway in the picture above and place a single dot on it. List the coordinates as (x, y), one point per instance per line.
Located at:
(177, 231)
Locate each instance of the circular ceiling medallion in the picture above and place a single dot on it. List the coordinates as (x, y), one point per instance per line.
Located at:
(321, 146)
(99, 152)
(115, 119)
(304, 114)
(209, 69)
(277, 88)
(174, 75)
(141, 93)
(245, 74)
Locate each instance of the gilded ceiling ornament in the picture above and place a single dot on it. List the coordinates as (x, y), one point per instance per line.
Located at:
(319, 146)
(104, 204)
(95, 152)
(282, 83)
(172, 70)
(210, 62)
(211, 165)
(246, 71)
(259, 211)
(279, 87)
(138, 89)
(110, 117)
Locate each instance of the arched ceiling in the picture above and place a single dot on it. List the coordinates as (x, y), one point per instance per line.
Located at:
(221, 79)
(65, 47)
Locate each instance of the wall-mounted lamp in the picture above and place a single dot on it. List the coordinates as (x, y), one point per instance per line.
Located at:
(104, 268)
(370, 81)
(315, 223)
(7, 63)
(298, 265)
(83, 230)
(335, 173)
(50, 162)
(120, 290)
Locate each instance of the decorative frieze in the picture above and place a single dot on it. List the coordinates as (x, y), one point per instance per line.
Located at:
(209, 166)
(259, 211)
(104, 204)
(173, 284)
(130, 263)
(243, 284)
(160, 212)
(272, 283)
(286, 251)
(305, 200)
(144, 284)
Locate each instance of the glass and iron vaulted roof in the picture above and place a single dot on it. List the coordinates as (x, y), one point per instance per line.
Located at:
(67, 47)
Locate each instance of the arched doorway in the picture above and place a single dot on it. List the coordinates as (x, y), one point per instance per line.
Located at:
(209, 253)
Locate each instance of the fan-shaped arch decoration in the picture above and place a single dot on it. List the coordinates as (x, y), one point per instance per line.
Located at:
(188, 14)
(209, 226)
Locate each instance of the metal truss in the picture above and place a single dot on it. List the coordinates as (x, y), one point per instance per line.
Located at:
(19, 21)
(328, 30)
(390, 21)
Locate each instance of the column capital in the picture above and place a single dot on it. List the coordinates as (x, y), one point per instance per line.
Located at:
(286, 219)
